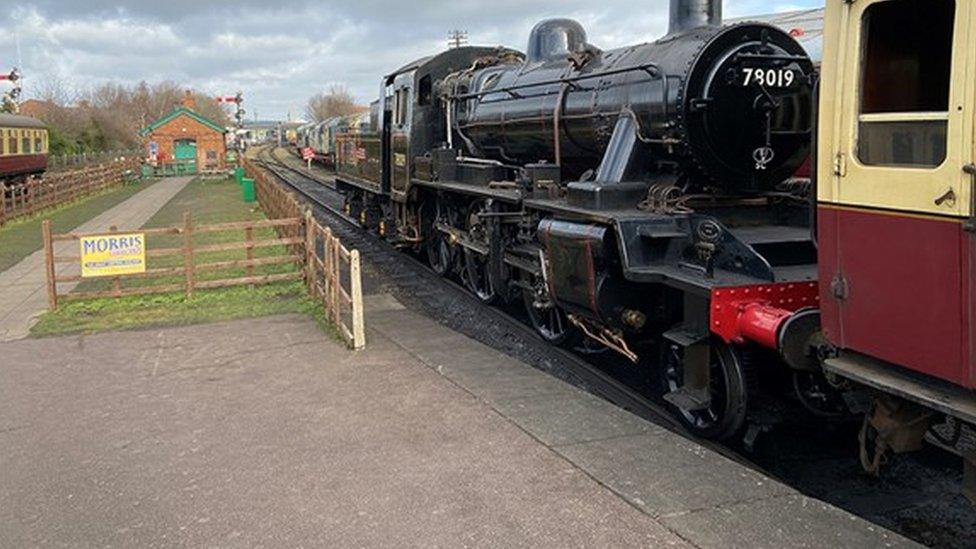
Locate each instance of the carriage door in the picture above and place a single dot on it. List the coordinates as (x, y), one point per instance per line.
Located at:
(896, 208)
(400, 135)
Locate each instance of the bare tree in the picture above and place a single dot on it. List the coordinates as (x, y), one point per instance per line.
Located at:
(335, 102)
(209, 108)
(109, 116)
(53, 89)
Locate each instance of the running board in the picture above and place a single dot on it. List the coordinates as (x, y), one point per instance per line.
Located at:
(936, 394)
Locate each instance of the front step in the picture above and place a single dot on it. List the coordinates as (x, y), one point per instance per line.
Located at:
(689, 400)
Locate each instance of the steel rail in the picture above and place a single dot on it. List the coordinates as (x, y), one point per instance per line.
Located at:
(592, 378)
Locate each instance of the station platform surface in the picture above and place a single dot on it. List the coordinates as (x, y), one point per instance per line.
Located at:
(267, 432)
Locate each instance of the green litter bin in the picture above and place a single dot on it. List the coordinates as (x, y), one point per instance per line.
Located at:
(247, 189)
(239, 175)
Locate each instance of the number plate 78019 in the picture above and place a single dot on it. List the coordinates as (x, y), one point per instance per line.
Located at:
(770, 78)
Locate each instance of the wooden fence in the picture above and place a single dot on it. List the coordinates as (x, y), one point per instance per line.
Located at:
(53, 189)
(331, 272)
(57, 162)
(328, 262)
(189, 268)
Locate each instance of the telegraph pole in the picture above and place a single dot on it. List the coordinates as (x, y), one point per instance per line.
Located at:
(457, 38)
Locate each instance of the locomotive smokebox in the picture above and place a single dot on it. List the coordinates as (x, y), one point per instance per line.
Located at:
(690, 14)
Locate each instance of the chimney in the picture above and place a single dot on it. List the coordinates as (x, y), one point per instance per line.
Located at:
(188, 101)
(690, 14)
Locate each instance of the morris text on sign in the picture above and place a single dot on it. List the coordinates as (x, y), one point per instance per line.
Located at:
(113, 254)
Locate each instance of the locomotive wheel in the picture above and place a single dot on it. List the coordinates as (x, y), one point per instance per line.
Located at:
(476, 276)
(353, 206)
(726, 414)
(816, 395)
(476, 265)
(439, 255)
(549, 321)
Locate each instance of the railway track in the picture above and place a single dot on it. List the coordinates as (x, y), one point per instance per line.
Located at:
(918, 497)
(408, 272)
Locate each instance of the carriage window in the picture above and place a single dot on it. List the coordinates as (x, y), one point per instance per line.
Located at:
(25, 144)
(12, 143)
(37, 144)
(907, 61)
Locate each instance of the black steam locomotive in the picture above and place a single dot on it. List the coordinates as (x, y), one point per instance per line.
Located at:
(641, 198)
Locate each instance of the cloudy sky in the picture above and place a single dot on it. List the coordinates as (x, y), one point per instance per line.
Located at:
(279, 52)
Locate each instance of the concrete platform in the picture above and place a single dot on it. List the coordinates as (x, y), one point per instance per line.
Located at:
(23, 293)
(266, 432)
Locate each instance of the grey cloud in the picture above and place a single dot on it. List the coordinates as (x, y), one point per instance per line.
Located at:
(281, 52)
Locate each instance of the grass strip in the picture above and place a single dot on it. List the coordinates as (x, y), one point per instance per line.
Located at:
(22, 237)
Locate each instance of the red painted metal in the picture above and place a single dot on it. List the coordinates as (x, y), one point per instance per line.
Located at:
(20, 164)
(755, 312)
(894, 287)
(760, 323)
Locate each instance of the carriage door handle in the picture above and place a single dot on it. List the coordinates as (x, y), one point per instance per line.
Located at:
(949, 198)
(970, 224)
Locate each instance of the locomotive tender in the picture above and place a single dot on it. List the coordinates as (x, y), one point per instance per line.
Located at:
(643, 198)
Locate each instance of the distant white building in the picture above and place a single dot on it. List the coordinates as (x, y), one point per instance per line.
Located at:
(806, 26)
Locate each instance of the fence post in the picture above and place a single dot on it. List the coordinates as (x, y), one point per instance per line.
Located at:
(329, 266)
(309, 252)
(31, 184)
(356, 291)
(52, 288)
(116, 280)
(3, 203)
(188, 252)
(249, 252)
(336, 279)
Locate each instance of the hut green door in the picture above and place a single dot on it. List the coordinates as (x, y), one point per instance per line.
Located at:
(185, 155)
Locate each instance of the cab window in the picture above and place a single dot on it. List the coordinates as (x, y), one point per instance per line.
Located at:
(425, 92)
(400, 107)
(906, 68)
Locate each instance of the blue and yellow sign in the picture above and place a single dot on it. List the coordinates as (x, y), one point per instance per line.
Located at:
(113, 254)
